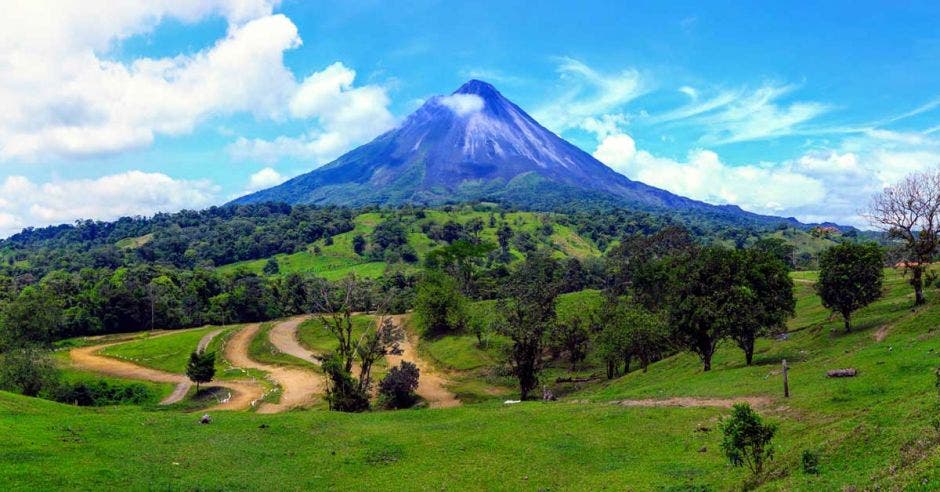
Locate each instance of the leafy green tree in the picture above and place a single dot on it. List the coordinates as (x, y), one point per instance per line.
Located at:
(504, 236)
(359, 244)
(850, 278)
(271, 267)
(33, 317)
(746, 438)
(439, 305)
(571, 336)
(528, 310)
(459, 259)
(201, 367)
(646, 335)
(704, 294)
(761, 298)
(777, 247)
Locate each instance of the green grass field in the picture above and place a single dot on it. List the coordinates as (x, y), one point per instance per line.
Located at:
(166, 352)
(872, 431)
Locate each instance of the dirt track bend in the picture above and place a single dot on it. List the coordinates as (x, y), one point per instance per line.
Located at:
(300, 387)
(431, 384)
(243, 394)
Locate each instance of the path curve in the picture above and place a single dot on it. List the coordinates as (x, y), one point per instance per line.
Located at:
(687, 401)
(242, 395)
(299, 386)
(284, 338)
(432, 385)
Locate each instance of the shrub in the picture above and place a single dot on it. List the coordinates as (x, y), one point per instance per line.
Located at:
(747, 438)
(810, 462)
(96, 393)
(28, 371)
(399, 385)
(201, 367)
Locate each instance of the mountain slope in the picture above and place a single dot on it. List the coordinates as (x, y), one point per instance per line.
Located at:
(475, 145)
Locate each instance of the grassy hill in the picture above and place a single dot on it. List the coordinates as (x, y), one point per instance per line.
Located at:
(871, 431)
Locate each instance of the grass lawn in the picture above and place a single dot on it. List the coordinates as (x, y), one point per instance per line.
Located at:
(166, 352)
(531, 446)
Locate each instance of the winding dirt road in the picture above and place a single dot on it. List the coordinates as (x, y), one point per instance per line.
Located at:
(284, 338)
(243, 394)
(299, 387)
(431, 384)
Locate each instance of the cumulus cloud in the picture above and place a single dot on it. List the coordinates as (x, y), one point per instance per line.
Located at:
(822, 184)
(264, 178)
(348, 116)
(108, 197)
(64, 95)
(462, 104)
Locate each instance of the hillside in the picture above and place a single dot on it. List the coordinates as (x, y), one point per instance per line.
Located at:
(870, 431)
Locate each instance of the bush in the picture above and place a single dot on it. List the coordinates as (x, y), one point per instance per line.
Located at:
(96, 393)
(399, 385)
(810, 462)
(747, 438)
(343, 393)
(28, 371)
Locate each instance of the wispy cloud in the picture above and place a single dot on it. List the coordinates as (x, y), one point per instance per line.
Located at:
(589, 93)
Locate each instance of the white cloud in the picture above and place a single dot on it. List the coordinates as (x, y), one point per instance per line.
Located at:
(348, 116)
(63, 96)
(744, 115)
(264, 178)
(462, 104)
(107, 197)
(821, 185)
(589, 93)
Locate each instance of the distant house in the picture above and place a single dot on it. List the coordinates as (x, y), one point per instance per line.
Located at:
(906, 264)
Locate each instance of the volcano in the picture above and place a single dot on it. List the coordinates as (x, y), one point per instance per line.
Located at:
(475, 145)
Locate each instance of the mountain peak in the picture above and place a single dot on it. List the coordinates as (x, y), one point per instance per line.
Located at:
(478, 87)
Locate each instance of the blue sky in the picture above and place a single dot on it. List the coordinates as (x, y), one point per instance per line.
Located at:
(791, 109)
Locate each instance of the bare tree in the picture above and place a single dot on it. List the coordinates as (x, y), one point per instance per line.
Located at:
(909, 212)
(335, 305)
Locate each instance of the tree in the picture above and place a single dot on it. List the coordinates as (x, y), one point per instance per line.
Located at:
(761, 298)
(703, 287)
(458, 259)
(399, 385)
(646, 336)
(33, 317)
(777, 247)
(27, 370)
(746, 440)
(439, 305)
(503, 236)
(850, 278)
(334, 306)
(201, 367)
(528, 310)
(271, 267)
(359, 244)
(909, 212)
(572, 337)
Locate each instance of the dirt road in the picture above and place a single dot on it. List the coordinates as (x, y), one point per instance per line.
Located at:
(87, 358)
(300, 387)
(284, 337)
(431, 384)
